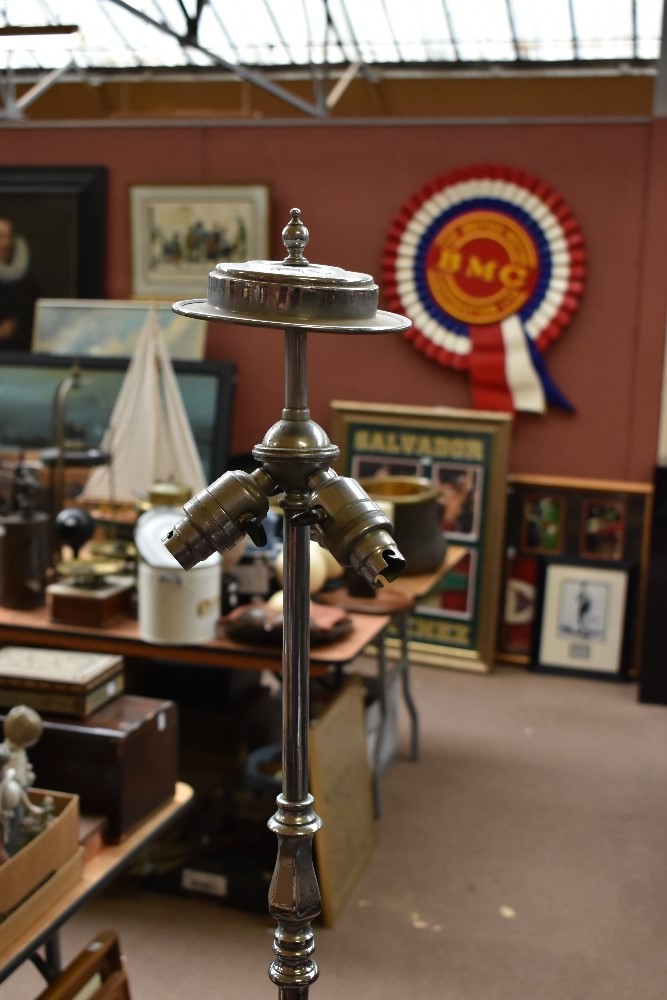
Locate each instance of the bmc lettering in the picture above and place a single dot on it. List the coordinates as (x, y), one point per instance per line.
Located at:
(490, 271)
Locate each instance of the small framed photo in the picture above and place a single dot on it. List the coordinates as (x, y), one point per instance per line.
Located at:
(180, 232)
(603, 529)
(543, 524)
(583, 622)
(460, 489)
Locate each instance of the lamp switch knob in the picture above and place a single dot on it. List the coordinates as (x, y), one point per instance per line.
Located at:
(255, 531)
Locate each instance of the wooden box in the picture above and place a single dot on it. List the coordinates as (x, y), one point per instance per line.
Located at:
(39, 859)
(59, 681)
(97, 607)
(122, 761)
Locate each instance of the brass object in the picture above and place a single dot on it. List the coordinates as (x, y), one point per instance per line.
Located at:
(294, 459)
(88, 572)
(400, 489)
(168, 495)
(416, 514)
(117, 549)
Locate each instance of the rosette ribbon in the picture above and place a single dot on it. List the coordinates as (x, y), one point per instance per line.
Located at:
(489, 264)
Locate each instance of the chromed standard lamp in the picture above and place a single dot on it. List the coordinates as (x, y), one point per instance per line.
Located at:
(294, 460)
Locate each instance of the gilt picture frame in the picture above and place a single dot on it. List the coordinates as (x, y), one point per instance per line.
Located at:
(180, 232)
(455, 624)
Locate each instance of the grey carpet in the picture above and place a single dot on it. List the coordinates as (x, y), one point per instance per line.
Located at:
(522, 858)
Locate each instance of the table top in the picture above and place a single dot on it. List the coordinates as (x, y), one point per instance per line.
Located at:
(34, 628)
(98, 872)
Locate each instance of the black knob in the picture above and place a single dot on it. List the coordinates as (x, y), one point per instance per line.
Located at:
(255, 531)
(74, 527)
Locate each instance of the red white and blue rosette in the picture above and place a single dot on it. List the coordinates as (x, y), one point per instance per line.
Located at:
(489, 264)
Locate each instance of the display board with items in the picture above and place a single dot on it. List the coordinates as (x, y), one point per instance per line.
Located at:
(576, 531)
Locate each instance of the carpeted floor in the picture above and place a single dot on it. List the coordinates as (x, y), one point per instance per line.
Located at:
(522, 858)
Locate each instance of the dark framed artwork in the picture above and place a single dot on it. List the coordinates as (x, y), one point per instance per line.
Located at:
(465, 456)
(52, 242)
(602, 521)
(583, 627)
(29, 382)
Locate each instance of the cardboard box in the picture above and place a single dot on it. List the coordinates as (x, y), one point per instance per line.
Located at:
(37, 864)
(42, 899)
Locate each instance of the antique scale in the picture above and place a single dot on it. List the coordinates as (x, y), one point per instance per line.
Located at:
(294, 460)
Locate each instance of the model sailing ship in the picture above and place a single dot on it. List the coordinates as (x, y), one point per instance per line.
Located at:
(149, 436)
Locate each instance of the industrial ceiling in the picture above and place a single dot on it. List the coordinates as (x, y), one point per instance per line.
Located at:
(329, 43)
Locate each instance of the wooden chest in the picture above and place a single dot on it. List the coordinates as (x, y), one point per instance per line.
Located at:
(122, 761)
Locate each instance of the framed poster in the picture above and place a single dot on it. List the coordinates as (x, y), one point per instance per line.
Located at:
(180, 232)
(602, 521)
(583, 618)
(465, 455)
(52, 242)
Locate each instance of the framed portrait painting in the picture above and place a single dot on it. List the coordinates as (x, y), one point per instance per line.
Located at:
(180, 232)
(52, 242)
(464, 454)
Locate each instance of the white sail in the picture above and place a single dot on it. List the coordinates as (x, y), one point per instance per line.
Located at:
(149, 436)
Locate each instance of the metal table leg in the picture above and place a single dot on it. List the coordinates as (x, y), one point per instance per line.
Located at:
(405, 685)
(49, 965)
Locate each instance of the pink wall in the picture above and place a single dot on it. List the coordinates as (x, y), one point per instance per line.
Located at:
(349, 180)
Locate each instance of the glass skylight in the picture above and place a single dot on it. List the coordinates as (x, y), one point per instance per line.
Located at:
(282, 33)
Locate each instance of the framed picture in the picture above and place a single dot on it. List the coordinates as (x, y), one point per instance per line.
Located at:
(603, 521)
(29, 383)
(180, 232)
(52, 242)
(583, 618)
(603, 529)
(542, 524)
(108, 328)
(465, 455)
